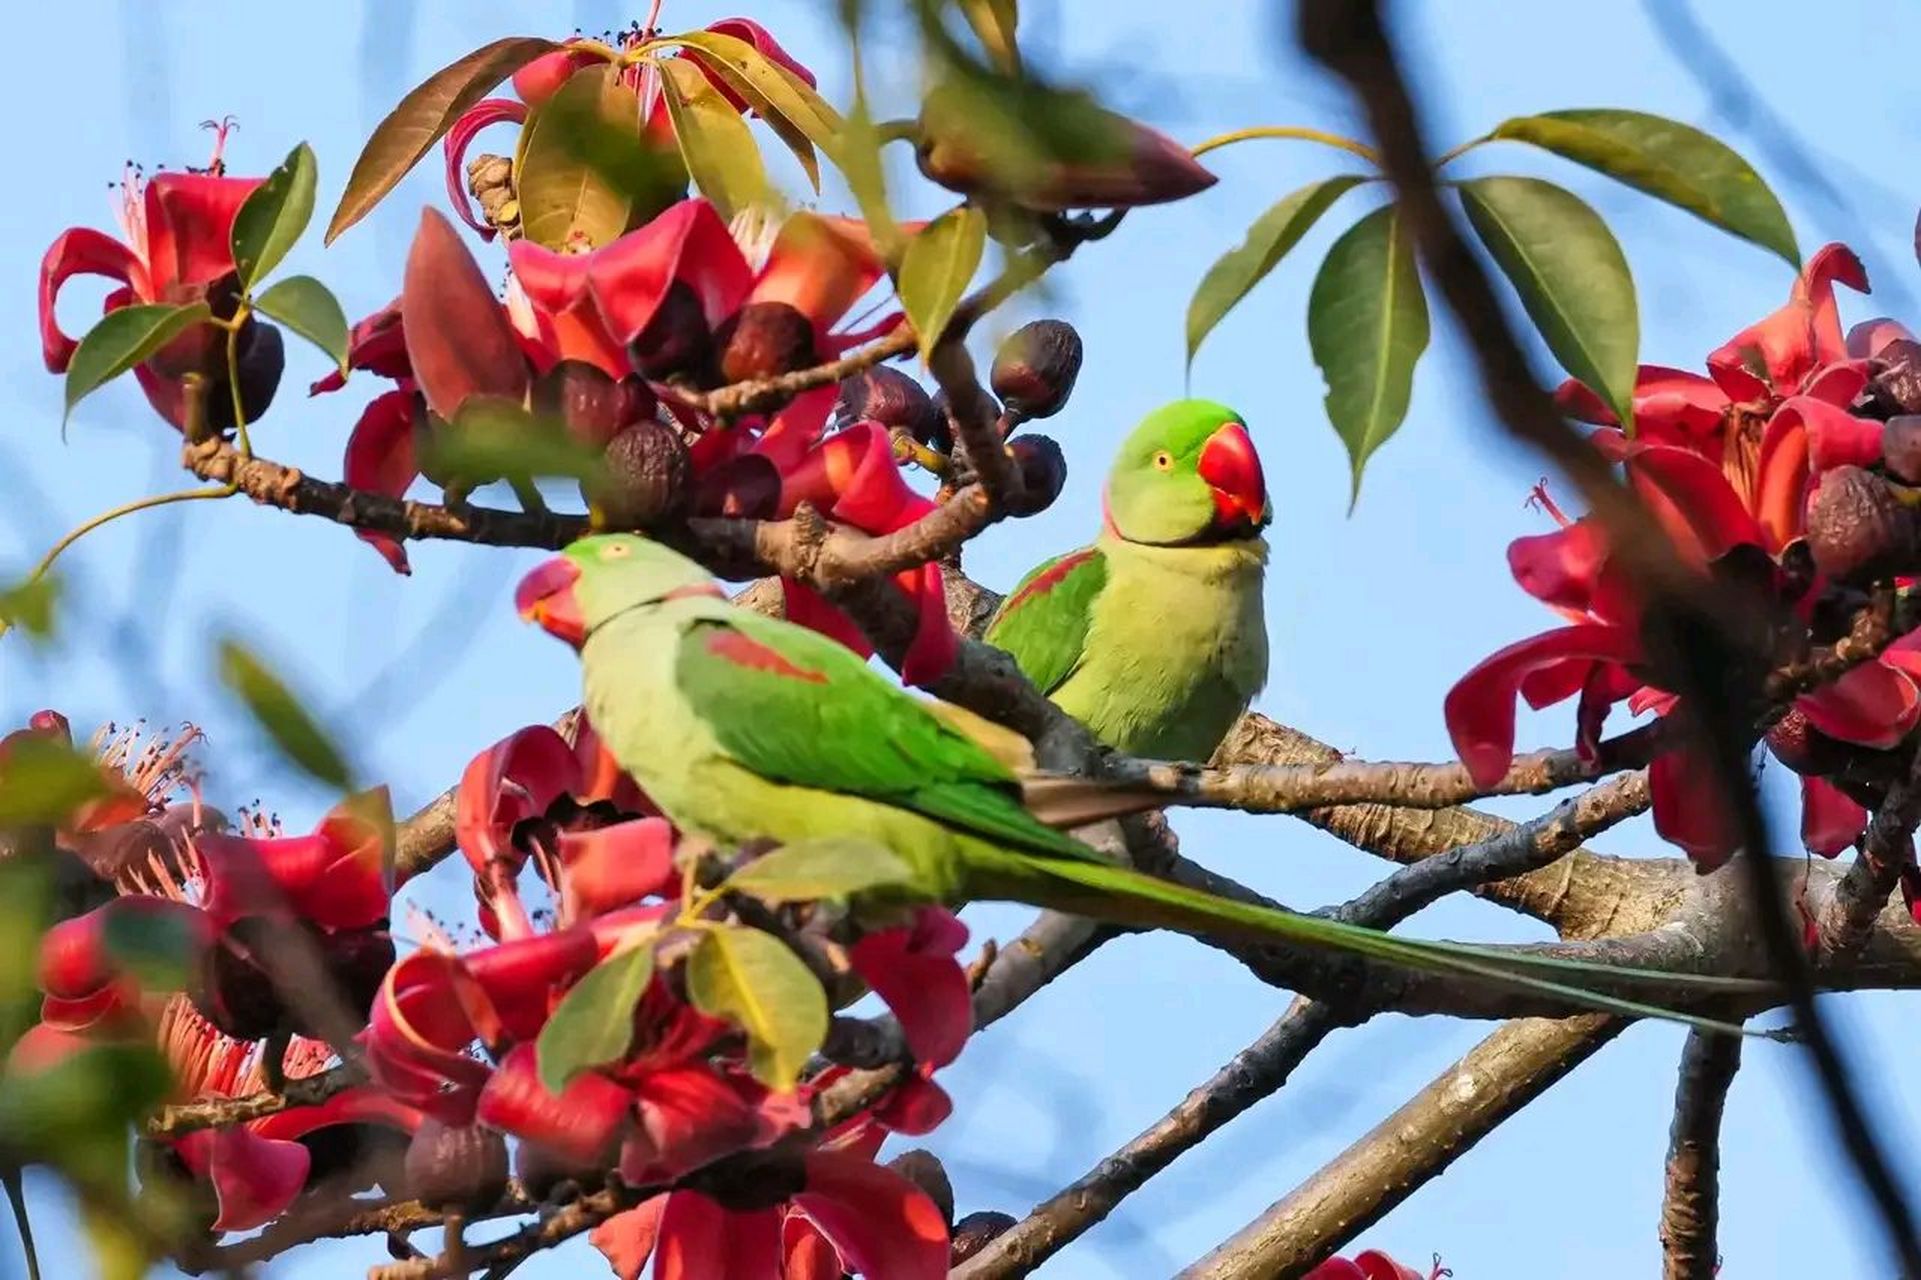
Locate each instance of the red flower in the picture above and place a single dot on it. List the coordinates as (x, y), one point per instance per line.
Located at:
(912, 968)
(174, 246)
(1722, 465)
(1372, 1264)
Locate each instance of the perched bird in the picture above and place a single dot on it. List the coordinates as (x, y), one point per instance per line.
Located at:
(1154, 636)
(742, 727)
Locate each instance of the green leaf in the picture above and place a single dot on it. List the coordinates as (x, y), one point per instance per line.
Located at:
(123, 339)
(26, 903)
(993, 22)
(830, 867)
(288, 724)
(29, 605)
(1274, 233)
(421, 119)
(93, 1091)
(158, 948)
(309, 308)
(1571, 275)
(1367, 327)
(45, 781)
(771, 89)
(272, 219)
(715, 142)
(860, 163)
(940, 260)
(1668, 160)
(594, 1022)
(492, 438)
(584, 165)
(754, 981)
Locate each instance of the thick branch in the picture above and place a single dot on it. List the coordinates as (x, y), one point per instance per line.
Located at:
(1843, 923)
(1500, 1076)
(1690, 1213)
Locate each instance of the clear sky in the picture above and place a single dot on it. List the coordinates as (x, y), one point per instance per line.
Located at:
(1372, 616)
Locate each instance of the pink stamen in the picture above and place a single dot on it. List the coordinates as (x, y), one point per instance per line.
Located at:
(221, 128)
(1538, 498)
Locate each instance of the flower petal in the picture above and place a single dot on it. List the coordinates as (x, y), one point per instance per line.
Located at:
(911, 969)
(584, 1122)
(689, 244)
(935, 647)
(459, 343)
(337, 877)
(882, 1223)
(378, 344)
(699, 1240)
(820, 266)
(1830, 819)
(797, 428)
(1689, 810)
(1873, 705)
(483, 114)
(380, 459)
(81, 251)
(1693, 501)
(689, 1116)
(190, 226)
(429, 1011)
(524, 979)
(804, 606)
(1778, 353)
(76, 961)
(255, 1179)
(616, 866)
(1479, 709)
(914, 1106)
(516, 779)
(1560, 568)
(626, 1240)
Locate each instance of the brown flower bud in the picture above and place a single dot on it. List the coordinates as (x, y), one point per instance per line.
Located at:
(747, 486)
(1895, 385)
(456, 1168)
(923, 1168)
(551, 1176)
(1803, 748)
(592, 404)
(1034, 370)
(893, 399)
(1858, 529)
(975, 1232)
(1901, 447)
(676, 340)
(763, 340)
(1043, 474)
(648, 478)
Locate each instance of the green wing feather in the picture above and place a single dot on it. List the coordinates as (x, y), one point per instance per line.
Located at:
(796, 707)
(1044, 623)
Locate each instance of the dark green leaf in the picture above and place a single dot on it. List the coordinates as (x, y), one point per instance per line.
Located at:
(1571, 275)
(157, 948)
(307, 307)
(287, 722)
(1268, 241)
(1367, 326)
(123, 339)
(26, 903)
(273, 218)
(1668, 160)
(753, 980)
(97, 1089)
(584, 165)
(831, 867)
(43, 780)
(594, 1022)
(714, 141)
(492, 438)
(29, 605)
(940, 260)
(421, 119)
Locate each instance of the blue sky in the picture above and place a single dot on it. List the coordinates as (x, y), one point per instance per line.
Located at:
(1372, 616)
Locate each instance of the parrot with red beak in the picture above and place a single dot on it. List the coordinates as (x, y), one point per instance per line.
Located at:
(1154, 637)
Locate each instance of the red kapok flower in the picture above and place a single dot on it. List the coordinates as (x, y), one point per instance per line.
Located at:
(1372, 1264)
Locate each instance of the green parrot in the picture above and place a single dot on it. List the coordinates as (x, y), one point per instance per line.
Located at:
(1154, 637)
(743, 727)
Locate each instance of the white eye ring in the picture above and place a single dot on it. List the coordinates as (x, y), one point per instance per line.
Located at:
(615, 550)
(1164, 460)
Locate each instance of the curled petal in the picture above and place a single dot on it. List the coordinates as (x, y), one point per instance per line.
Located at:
(1560, 568)
(524, 979)
(427, 1014)
(377, 344)
(602, 777)
(1830, 819)
(853, 477)
(913, 969)
(362, 1104)
(517, 778)
(254, 1179)
(915, 1106)
(380, 459)
(882, 1223)
(796, 429)
(820, 266)
(1670, 405)
(1873, 705)
(616, 866)
(338, 877)
(689, 1116)
(1480, 707)
(699, 1240)
(583, 1122)
(932, 652)
(806, 1254)
(77, 960)
(190, 226)
(1778, 353)
(688, 244)
(1866, 339)
(482, 115)
(81, 251)
(1689, 810)
(1693, 501)
(626, 1240)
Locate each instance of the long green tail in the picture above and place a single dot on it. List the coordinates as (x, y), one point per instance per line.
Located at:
(1120, 895)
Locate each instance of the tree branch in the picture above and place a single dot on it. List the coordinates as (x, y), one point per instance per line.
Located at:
(1842, 925)
(1691, 1211)
(307, 1091)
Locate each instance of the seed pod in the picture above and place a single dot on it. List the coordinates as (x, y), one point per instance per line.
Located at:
(763, 340)
(648, 478)
(1035, 369)
(1901, 447)
(550, 1176)
(975, 1232)
(1895, 386)
(1043, 474)
(1858, 530)
(261, 358)
(452, 1167)
(747, 486)
(586, 399)
(923, 1168)
(676, 340)
(893, 399)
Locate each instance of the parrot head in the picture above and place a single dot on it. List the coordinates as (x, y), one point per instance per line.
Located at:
(1188, 474)
(607, 574)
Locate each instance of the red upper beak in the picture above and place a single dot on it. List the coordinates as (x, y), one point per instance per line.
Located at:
(546, 596)
(1232, 470)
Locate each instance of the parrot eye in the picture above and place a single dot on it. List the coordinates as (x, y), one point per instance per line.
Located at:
(1164, 460)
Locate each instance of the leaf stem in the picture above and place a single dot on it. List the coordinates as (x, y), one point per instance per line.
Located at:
(1294, 133)
(233, 328)
(1456, 153)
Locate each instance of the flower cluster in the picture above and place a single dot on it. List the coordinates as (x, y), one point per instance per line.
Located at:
(1730, 465)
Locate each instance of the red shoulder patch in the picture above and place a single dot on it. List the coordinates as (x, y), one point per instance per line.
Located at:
(744, 651)
(1056, 573)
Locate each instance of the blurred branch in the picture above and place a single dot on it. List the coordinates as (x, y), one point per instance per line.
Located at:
(1690, 1213)
(307, 1091)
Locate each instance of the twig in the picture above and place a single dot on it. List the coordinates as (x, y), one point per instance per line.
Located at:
(1690, 1212)
(1842, 924)
(306, 1091)
(975, 420)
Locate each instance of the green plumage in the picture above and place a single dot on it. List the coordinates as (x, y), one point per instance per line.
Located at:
(1154, 637)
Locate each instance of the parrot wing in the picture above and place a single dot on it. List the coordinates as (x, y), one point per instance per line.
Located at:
(1044, 623)
(796, 707)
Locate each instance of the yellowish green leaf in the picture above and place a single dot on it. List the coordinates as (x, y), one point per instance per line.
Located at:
(594, 1022)
(934, 272)
(751, 979)
(287, 722)
(715, 142)
(585, 166)
(831, 867)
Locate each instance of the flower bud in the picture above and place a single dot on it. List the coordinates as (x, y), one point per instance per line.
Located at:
(975, 1232)
(592, 404)
(647, 480)
(763, 340)
(1895, 386)
(261, 358)
(747, 486)
(548, 1175)
(893, 399)
(1043, 474)
(452, 1167)
(1034, 370)
(1858, 529)
(1796, 743)
(676, 340)
(923, 1168)
(1901, 447)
